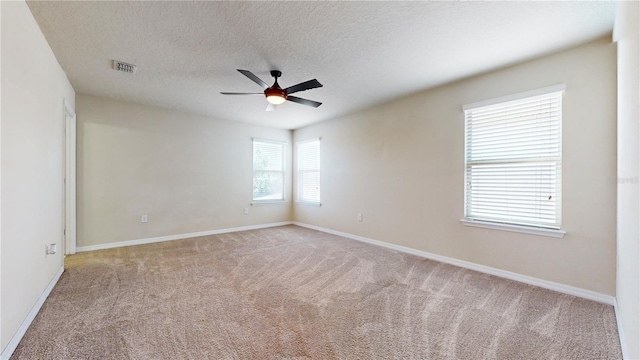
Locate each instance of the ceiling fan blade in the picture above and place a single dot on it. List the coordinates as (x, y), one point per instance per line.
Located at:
(234, 93)
(307, 85)
(255, 79)
(271, 107)
(302, 101)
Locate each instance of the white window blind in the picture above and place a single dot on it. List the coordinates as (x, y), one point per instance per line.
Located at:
(309, 171)
(268, 170)
(513, 158)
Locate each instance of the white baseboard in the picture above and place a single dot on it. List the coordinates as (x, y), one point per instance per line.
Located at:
(562, 288)
(15, 340)
(623, 342)
(177, 237)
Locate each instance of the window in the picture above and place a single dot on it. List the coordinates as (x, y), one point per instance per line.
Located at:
(513, 160)
(268, 170)
(308, 153)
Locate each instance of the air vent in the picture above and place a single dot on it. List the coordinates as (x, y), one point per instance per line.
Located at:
(124, 67)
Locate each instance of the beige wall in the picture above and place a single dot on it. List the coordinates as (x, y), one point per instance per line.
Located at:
(188, 173)
(401, 165)
(627, 33)
(32, 163)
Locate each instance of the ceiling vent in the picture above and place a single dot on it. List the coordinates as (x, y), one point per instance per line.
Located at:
(124, 67)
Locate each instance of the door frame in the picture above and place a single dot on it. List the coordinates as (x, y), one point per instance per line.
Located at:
(70, 179)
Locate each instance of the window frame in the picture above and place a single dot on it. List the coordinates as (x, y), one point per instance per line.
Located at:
(506, 225)
(283, 144)
(299, 184)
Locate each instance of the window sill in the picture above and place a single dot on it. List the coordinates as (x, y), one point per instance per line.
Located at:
(268, 202)
(308, 203)
(514, 228)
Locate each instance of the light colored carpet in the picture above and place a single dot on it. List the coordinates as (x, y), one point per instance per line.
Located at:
(294, 293)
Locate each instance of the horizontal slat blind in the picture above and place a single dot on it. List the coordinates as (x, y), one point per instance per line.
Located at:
(268, 170)
(268, 155)
(309, 171)
(513, 158)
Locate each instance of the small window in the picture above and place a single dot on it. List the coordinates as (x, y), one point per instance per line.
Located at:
(268, 170)
(513, 160)
(308, 153)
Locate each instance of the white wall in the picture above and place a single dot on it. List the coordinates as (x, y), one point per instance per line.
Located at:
(627, 34)
(32, 164)
(188, 173)
(401, 165)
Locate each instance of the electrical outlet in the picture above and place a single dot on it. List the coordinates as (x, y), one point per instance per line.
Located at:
(50, 249)
(144, 218)
(246, 211)
(359, 217)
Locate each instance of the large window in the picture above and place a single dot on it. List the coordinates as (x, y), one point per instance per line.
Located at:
(268, 170)
(513, 159)
(308, 153)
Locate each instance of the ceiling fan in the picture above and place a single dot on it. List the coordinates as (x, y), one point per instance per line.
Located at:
(277, 95)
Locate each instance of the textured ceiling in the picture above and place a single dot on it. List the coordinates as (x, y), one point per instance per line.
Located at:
(364, 53)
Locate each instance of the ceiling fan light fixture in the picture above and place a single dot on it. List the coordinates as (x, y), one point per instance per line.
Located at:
(275, 96)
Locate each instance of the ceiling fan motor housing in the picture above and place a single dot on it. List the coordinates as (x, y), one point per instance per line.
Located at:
(275, 94)
(275, 90)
